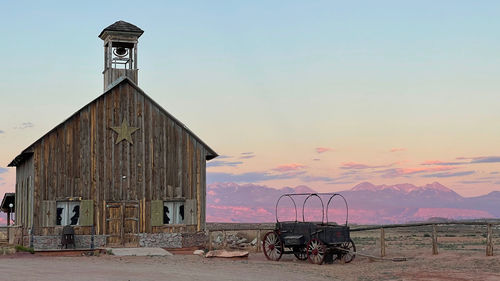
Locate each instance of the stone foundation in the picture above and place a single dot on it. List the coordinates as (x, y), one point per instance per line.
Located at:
(173, 240)
(162, 240)
(199, 239)
(54, 242)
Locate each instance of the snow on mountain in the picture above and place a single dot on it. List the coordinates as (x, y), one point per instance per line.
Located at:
(368, 203)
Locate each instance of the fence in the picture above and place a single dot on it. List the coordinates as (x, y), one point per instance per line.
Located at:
(488, 224)
(261, 228)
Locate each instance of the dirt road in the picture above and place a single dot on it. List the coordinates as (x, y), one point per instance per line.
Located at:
(422, 266)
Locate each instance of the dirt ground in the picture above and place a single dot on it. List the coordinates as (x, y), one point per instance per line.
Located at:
(422, 266)
(461, 257)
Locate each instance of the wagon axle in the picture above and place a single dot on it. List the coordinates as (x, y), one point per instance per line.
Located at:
(309, 240)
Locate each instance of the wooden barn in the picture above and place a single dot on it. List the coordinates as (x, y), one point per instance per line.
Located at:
(121, 170)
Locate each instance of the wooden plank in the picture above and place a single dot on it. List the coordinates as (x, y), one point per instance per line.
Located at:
(115, 187)
(94, 176)
(156, 212)
(48, 213)
(382, 242)
(190, 212)
(87, 212)
(489, 240)
(434, 240)
(132, 171)
(141, 151)
(154, 154)
(147, 150)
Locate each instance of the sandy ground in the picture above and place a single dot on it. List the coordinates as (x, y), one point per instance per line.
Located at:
(422, 266)
(461, 257)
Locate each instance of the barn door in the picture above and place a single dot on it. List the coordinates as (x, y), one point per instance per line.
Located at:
(114, 224)
(122, 224)
(130, 224)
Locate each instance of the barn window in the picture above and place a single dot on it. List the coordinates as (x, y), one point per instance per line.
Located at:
(68, 213)
(173, 212)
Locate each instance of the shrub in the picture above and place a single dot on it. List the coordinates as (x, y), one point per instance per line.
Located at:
(21, 248)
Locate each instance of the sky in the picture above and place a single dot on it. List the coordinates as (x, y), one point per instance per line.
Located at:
(326, 94)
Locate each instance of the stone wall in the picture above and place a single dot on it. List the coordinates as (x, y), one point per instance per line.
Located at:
(163, 240)
(199, 239)
(4, 233)
(54, 242)
(172, 240)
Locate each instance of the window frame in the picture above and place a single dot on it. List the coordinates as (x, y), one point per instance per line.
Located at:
(66, 213)
(176, 204)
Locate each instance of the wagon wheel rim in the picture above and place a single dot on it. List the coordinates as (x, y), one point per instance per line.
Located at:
(349, 251)
(316, 251)
(273, 246)
(301, 253)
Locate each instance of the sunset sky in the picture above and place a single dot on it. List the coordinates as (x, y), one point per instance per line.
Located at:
(318, 93)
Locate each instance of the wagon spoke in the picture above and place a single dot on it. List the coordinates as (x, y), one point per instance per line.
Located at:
(350, 250)
(315, 251)
(273, 246)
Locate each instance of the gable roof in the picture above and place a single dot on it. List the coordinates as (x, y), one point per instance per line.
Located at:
(122, 26)
(26, 153)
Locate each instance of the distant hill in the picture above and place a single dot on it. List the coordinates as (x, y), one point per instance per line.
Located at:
(368, 203)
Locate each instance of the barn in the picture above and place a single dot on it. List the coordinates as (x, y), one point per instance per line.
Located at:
(121, 171)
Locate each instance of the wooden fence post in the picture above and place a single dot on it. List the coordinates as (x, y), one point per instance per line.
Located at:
(258, 240)
(210, 241)
(434, 240)
(489, 241)
(224, 241)
(382, 242)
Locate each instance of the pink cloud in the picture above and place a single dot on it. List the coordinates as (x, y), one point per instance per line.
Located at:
(323, 149)
(360, 166)
(441, 163)
(396, 149)
(211, 192)
(398, 172)
(289, 167)
(355, 165)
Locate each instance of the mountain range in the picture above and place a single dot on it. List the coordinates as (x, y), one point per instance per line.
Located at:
(368, 204)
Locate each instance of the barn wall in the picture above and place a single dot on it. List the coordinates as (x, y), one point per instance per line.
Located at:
(80, 159)
(24, 194)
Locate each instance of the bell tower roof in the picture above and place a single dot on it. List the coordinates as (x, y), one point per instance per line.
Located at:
(120, 51)
(122, 26)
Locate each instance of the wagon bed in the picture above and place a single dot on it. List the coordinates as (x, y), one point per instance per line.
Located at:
(310, 240)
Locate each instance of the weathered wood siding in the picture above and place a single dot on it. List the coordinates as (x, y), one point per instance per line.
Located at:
(80, 159)
(24, 193)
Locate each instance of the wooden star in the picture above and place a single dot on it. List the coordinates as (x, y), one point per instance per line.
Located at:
(124, 132)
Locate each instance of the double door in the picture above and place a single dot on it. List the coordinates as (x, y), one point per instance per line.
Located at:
(122, 224)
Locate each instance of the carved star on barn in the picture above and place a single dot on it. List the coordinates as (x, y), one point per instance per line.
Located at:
(124, 132)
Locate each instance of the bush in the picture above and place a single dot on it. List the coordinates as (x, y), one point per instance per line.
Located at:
(21, 248)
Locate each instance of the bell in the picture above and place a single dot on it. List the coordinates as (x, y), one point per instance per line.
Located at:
(120, 51)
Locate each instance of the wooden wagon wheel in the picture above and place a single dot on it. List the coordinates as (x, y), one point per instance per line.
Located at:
(316, 251)
(350, 248)
(300, 253)
(273, 246)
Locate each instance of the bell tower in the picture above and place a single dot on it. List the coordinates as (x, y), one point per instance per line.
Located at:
(120, 51)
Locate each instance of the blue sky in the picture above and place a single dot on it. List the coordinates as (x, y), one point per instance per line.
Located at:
(279, 79)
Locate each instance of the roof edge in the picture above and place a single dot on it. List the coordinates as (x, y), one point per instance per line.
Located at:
(22, 156)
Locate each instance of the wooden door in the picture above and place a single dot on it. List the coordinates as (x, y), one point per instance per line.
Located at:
(122, 224)
(130, 224)
(114, 224)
